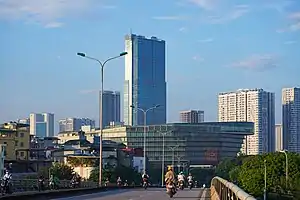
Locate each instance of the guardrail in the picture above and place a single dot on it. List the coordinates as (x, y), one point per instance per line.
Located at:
(222, 189)
(23, 185)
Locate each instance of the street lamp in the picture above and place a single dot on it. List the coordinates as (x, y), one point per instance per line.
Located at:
(286, 167)
(265, 188)
(178, 160)
(102, 64)
(173, 153)
(163, 157)
(145, 124)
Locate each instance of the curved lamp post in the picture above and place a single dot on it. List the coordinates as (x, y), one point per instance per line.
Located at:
(102, 64)
(145, 111)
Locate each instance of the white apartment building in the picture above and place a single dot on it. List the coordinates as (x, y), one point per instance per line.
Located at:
(291, 119)
(252, 105)
(42, 124)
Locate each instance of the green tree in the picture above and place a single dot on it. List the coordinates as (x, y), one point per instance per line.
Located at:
(251, 173)
(62, 171)
(224, 167)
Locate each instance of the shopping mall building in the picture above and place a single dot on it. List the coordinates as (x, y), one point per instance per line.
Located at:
(184, 144)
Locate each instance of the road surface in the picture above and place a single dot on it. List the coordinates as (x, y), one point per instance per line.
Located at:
(141, 194)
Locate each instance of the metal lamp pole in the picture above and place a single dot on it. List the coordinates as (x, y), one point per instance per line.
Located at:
(163, 157)
(286, 168)
(102, 64)
(173, 152)
(145, 128)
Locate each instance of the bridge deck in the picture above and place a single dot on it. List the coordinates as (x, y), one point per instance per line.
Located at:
(141, 194)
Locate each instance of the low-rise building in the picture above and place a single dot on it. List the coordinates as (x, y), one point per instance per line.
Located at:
(16, 137)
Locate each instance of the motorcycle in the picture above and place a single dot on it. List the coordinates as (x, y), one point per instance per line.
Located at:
(181, 184)
(6, 187)
(190, 185)
(74, 184)
(171, 190)
(145, 183)
(41, 184)
(119, 184)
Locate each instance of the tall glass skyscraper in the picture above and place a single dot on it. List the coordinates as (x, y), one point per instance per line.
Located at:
(145, 80)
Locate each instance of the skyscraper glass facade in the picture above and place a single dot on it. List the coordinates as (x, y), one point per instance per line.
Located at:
(145, 84)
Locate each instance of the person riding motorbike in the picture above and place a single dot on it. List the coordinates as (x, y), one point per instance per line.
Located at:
(41, 183)
(180, 178)
(6, 181)
(190, 179)
(170, 177)
(145, 177)
(119, 181)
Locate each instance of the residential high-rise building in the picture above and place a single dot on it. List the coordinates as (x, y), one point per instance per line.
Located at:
(291, 119)
(145, 82)
(251, 105)
(42, 124)
(278, 137)
(192, 116)
(111, 107)
(74, 124)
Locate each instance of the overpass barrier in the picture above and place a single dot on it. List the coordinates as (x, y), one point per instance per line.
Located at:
(24, 185)
(222, 189)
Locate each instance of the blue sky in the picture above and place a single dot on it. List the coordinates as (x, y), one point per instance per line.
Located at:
(212, 46)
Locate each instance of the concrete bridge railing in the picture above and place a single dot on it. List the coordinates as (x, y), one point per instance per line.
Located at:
(222, 189)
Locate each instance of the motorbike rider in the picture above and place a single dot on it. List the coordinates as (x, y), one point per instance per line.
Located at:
(190, 178)
(41, 182)
(181, 177)
(119, 181)
(170, 176)
(145, 177)
(7, 176)
(6, 180)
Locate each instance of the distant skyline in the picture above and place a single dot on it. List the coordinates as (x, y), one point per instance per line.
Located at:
(212, 46)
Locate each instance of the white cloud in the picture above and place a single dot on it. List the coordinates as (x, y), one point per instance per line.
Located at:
(205, 4)
(175, 18)
(46, 12)
(89, 91)
(54, 25)
(295, 26)
(234, 14)
(206, 40)
(290, 42)
(183, 29)
(257, 62)
(295, 16)
(198, 58)
(278, 5)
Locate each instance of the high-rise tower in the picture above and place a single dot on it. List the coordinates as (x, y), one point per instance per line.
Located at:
(145, 81)
(252, 105)
(291, 119)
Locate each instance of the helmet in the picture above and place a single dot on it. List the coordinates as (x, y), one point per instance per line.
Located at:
(170, 168)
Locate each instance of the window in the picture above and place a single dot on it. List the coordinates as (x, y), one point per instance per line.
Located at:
(22, 144)
(22, 153)
(16, 143)
(21, 134)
